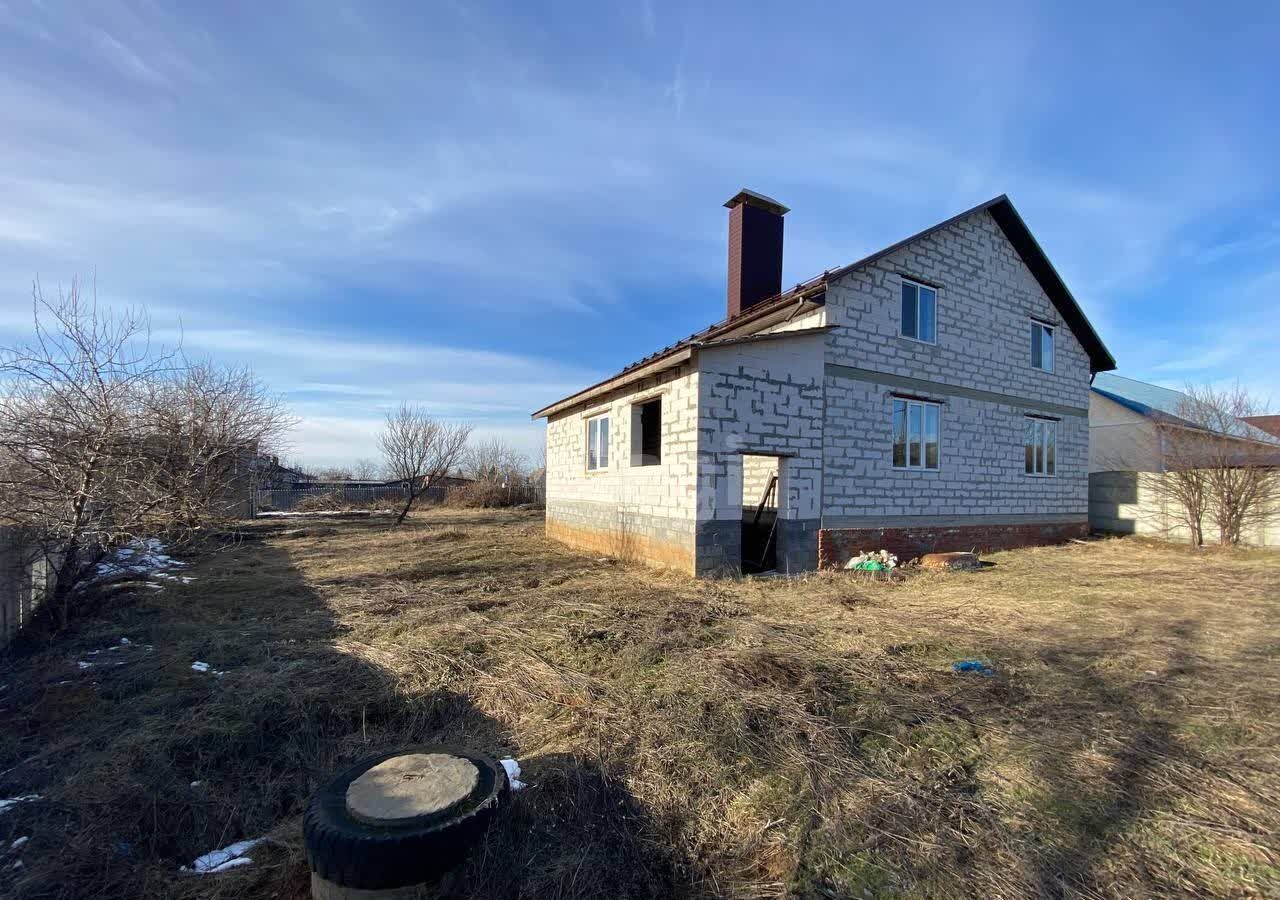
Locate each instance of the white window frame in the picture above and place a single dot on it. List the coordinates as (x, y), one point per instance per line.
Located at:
(1044, 433)
(925, 406)
(1039, 330)
(602, 448)
(902, 324)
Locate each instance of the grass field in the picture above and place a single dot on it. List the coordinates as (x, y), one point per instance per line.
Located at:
(757, 738)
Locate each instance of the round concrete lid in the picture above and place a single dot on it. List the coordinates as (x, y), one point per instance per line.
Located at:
(416, 784)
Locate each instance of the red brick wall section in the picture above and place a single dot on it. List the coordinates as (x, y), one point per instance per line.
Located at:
(837, 545)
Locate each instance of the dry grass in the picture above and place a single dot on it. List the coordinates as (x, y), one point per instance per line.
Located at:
(761, 738)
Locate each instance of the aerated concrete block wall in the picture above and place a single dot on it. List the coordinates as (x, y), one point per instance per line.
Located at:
(646, 513)
(979, 371)
(762, 398)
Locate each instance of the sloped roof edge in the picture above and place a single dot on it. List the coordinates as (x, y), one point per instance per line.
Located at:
(1001, 209)
(1005, 215)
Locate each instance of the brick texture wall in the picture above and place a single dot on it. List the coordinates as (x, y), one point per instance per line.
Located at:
(837, 545)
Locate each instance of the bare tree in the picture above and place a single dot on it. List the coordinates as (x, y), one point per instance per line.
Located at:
(1223, 468)
(365, 469)
(494, 460)
(419, 449)
(106, 439)
(208, 425)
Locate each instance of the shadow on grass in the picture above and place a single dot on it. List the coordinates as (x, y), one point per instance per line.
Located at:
(143, 764)
(1095, 814)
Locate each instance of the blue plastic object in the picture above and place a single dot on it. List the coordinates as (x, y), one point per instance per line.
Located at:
(964, 666)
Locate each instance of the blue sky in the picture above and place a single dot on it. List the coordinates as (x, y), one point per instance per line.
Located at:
(481, 207)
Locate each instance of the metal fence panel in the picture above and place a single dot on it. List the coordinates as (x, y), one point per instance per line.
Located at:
(286, 499)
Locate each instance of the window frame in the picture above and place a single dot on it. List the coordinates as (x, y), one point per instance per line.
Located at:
(1045, 433)
(1038, 330)
(602, 444)
(637, 436)
(902, 322)
(922, 442)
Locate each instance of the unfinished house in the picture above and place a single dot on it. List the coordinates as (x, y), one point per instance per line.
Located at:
(932, 396)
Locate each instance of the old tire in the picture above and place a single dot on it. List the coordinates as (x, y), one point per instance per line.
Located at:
(348, 852)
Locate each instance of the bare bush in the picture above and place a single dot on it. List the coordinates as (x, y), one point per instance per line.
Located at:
(1217, 468)
(106, 439)
(365, 469)
(418, 449)
(500, 477)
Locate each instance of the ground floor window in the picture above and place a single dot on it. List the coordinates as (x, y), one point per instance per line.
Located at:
(1041, 446)
(916, 434)
(598, 443)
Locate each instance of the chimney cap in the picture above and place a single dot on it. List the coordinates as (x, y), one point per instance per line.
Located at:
(754, 199)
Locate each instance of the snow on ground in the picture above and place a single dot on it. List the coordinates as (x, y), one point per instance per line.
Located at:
(513, 773)
(11, 802)
(124, 644)
(226, 858)
(199, 666)
(145, 559)
(330, 513)
(18, 842)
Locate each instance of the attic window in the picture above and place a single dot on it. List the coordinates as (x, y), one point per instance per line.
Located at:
(1041, 346)
(919, 312)
(646, 433)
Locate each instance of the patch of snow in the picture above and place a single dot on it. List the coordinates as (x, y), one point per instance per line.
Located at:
(125, 642)
(513, 773)
(17, 865)
(142, 558)
(18, 842)
(226, 858)
(84, 665)
(195, 784)
(8, 804)
(198, 666)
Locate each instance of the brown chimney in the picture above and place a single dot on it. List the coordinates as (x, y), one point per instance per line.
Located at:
(755, 249)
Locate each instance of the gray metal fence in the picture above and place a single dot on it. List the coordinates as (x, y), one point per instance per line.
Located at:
(288, 499)
(24, 581)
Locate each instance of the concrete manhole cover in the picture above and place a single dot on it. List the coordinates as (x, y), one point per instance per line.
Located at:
(416, 784)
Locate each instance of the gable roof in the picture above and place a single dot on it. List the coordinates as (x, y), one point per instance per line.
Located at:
(1155, 402)
(812, 293)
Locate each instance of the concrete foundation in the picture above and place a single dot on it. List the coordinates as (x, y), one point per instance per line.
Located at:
(836, 546)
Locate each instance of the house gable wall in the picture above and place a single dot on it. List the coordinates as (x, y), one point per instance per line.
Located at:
(980, 373)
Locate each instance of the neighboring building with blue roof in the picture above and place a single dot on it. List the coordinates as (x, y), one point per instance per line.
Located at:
(1126, 442)
(1123, 414)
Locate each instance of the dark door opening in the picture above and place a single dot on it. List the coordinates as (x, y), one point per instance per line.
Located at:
(759, 514)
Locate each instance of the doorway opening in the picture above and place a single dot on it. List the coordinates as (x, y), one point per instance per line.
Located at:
(760, 504)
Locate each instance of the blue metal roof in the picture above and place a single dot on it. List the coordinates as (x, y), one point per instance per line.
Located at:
(1145, 399)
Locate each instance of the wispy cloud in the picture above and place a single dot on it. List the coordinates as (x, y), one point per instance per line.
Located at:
(478, 208)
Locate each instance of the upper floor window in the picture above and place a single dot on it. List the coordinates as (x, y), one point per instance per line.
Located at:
(646, 433)
(598, 443)
(1040, 444)
(919, 312)
(1042, 346)
(915, 434)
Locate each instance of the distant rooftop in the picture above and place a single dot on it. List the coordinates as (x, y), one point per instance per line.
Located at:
(1148, 399)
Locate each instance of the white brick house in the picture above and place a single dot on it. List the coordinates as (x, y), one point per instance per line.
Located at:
(934, 395)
